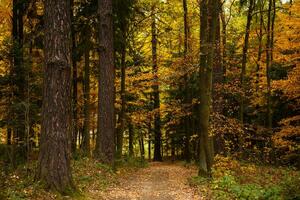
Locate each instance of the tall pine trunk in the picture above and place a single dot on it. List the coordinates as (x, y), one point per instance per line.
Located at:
(123, 100)
(86, 108)
(19, 80)
(157, 128)
(54, 157)
(74, 81)
(105, 141)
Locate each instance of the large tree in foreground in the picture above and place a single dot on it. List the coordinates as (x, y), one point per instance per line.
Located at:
(208, 21)
(54, 157)
(105, 147)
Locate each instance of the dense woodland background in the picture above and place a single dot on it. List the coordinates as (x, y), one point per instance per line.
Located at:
(163, 80)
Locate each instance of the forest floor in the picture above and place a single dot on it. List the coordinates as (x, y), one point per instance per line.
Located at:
(136, 179)
(159, 181)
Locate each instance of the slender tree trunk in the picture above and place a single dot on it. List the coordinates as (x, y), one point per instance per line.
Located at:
(19, 71)
(123, 101)
(74, 78)
(244, 58)
(86, 123)
(8, 137)
(131, 136)
(54, 158)
(142, 147)
(208, 17)
(224, 42)
(157, 129)
(269, 57)
(105, 145)
(259, 54)
(187, 95)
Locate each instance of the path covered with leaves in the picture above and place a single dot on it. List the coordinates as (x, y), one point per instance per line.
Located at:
(159, 181)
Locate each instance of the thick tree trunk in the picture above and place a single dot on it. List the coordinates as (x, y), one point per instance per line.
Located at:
(105, 145)
(54, 158)
(157, 129)
(244, 58)
(86, 108)
(208, 17)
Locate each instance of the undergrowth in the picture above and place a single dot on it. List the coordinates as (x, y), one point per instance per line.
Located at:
(234, 180)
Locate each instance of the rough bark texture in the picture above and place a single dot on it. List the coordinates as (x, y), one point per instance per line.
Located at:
(105, 145)
(54, 158)
(74, 81)
(157, 129)
(86, 108)
(244, 57)
(208, 18)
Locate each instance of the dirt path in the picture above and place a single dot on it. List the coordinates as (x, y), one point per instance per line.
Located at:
(159, 181)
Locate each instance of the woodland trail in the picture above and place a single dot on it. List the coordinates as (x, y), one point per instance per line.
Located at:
(159, 181)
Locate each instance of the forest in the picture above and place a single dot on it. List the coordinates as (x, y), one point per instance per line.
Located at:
(150, 99)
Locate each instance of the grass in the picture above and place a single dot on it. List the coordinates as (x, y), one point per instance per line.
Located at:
(90, 177)
(240, 180)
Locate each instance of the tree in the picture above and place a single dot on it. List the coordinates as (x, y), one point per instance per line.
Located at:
(105, 145)
(244, 57)
(208, 21)
(156, 99)
(54, 157)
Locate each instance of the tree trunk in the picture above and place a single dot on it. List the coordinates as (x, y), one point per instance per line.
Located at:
(157, 129)
(269, 57)
(208, 17)
(131, 136)
(86, 108)
(105, 141)
(123, 102)
(224, 43)
(142, 147)
(19, 79)
(74, 77)
(54, 158)
(260, 37)
(244, 58)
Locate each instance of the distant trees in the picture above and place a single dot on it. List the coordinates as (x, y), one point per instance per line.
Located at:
(54, 157)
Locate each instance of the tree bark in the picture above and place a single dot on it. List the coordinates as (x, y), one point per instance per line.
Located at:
(19, 80)
(54, 157)
(131, 136)
(105, 145)
(74, 79)
(208, 17)
(86, 107)
(259, 54)
(244, 58)
(123, 101)
(157, 128)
